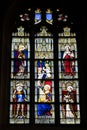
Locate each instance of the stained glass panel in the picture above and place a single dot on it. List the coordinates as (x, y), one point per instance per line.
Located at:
(37, 16)
(20, 71)
(68, 69)
(19, 98)
(68, 116)
(66, 86)
(49, 17)
(44, 75)
(44, 69)
(20, 54)
(24, 17)
(69, 97)
(44, 114)
(68, 73)
(62, 17)
(44, 91)
(45, 58)
(44, 48)
(22, 45)
(67, 45)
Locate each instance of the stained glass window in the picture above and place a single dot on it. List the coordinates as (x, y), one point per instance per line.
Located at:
(68, 77)
(24, 17)
(37, 18)
(44, 80)
(20, 77)
(49, 16)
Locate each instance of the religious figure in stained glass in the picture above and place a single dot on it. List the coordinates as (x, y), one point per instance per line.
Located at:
(19, 101)
(44, 91)
(44, 87)
(20, 70)
(19, 96)
(45, 96)
(20, 62)
(69, 108)
(20, 54)
(44, 50)
(44, 70)
(68, 67)
(68, 63)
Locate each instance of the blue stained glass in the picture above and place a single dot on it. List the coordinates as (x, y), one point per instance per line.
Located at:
(49, 16)
(40, 64)
(38, 16)
(44, 109)
(16, 53)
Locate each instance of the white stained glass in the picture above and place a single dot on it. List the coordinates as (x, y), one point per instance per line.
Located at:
(67, 120)
(20, 119)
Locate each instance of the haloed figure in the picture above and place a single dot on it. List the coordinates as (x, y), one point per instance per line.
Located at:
(20, 95)
(67, 62)
(20, 63)
(45, 97)
(68, 108)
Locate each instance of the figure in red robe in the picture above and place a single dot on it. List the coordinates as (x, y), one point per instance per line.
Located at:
(68, 62)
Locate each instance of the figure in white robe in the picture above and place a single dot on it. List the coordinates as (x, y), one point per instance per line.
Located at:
(68, 106)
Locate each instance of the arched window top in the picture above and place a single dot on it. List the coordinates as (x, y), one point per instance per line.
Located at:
(20, 32)
(67, 32)
(43, 32)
